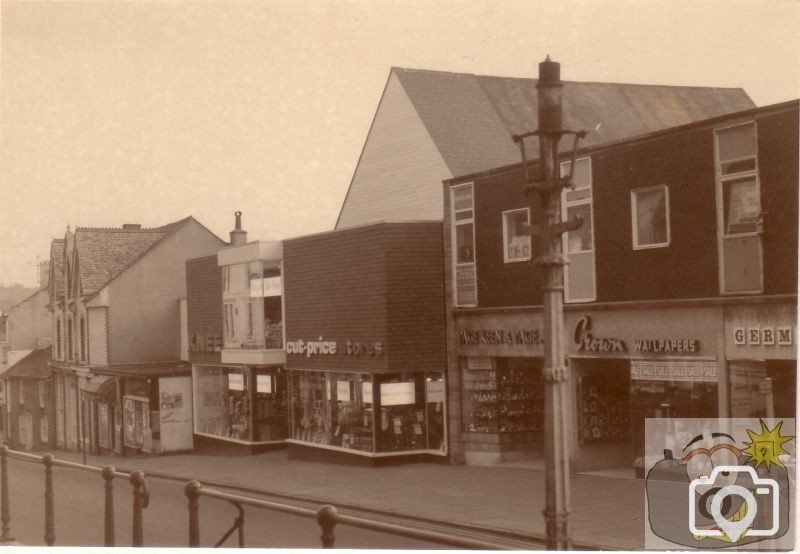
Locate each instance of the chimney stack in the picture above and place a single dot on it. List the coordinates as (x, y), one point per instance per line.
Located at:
(238, 235)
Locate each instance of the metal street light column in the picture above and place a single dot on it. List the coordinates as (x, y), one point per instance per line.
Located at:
(548, 185)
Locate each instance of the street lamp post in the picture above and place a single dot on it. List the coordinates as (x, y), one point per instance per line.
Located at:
(548, 185)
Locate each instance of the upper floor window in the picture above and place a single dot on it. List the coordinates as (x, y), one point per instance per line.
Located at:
(69, 340)
(579, 275)
(226, 278)
(650, 221)
(228, 321)
(42, 393)
(463, 228)
(741, 206)
(58, 339)
(516, 235)
(21, 391)
(82, 338)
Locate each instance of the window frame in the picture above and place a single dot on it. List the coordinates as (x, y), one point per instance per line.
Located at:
(454, 224)
(736, 176)
(565, 205)
(635, 216)
(506, 259)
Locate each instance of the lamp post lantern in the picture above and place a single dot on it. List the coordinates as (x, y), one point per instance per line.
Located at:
(548, 185)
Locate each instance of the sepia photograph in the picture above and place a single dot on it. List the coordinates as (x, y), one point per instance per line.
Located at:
(399, 274)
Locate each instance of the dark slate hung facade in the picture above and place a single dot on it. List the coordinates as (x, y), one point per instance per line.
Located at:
(680, 293)
(365, 346)
(31, 412)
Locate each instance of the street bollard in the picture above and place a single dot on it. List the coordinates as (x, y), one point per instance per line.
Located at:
(5, 507)
(141, 497)
(108, 476)
(49, 519)
(327, 517)
(192, 492)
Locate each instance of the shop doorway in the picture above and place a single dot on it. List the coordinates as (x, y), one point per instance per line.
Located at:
(667, 399)
(26, 430)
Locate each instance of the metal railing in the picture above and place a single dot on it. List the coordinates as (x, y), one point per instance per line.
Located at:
(327, 517)
(140, 493)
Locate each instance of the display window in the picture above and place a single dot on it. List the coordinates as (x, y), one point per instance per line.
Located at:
(604, 402)
(136, 413)
(761, 388)
(385, 413)
(240, 403)
(502, 395)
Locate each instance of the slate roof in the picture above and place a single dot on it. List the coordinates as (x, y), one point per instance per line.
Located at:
(32, 366)
(103, 253)
(471, 117)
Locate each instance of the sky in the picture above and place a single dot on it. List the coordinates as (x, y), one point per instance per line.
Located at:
(148, 111)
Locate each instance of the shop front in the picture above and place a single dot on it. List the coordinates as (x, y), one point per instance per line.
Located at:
(239, 405)
(626, 364)
(366, 360)
(761, 349)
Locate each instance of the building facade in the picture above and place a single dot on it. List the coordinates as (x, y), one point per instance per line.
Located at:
(31, 412)
(680, 296)
(120, 384)
(365, 349)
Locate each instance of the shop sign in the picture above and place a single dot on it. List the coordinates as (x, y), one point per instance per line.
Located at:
(397, 394)
(330, 347)
(205, 342)
(763, 336)
(586, 342)
(687, 346)
(647, 370)
(519, 337)
(264, 383)
(261, 287)
(435, 391)
(235, 381)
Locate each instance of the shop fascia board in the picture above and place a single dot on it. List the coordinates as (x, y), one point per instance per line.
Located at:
(669, 303)
(252, 251)
(253, 357)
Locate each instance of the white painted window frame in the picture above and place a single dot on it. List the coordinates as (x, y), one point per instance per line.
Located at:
(506, 259)
(719, 182)
(565, 237)
(454, 241)
(635, 221)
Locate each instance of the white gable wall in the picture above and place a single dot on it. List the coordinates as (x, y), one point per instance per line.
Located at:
(400, 172)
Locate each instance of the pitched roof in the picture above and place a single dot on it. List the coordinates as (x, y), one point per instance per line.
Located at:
(471, 117)
(104, 253)
(32, 366)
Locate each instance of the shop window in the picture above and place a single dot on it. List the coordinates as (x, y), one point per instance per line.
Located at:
(222, 402)
(136, 414)
(604, 403)
(400, 412)
(502, 395)
(650, 209)
(516, 235)
(462, 209)
(579, 275)
(762, 388)
(739, 215)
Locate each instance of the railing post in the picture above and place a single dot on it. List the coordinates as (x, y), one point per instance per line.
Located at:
(326, 518)
(5, 507)
(140, 500)
(108, 476)
(49, 523)
(192, 491)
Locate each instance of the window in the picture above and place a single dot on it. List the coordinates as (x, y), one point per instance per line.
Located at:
(58, 339)
(462, 209)
(226, 278)
(516, 235)
(579, 275)
(650, 209)
(42, 394)
(738, 209)
(83, 339)
(228, 321)
(250, 329)
(21, 391)
(69, 340)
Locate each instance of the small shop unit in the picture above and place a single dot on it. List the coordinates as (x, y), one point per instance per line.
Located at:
(365, 345)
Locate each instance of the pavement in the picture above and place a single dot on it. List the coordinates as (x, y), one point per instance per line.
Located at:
(607, 512)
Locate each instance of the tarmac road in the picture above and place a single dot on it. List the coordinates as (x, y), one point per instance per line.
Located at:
(79, 500)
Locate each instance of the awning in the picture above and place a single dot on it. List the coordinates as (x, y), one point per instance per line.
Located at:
(100, 385)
